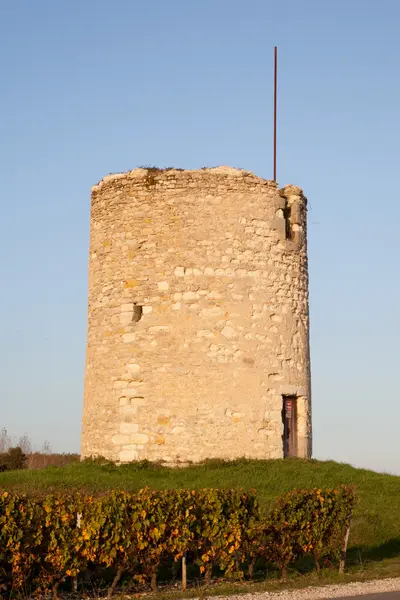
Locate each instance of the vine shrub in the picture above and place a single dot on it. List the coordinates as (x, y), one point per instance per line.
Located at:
(308, 522)
(46, 541)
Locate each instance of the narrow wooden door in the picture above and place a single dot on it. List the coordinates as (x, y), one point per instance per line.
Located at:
(289, 416)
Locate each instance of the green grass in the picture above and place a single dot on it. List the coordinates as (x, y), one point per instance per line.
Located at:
(375, 537)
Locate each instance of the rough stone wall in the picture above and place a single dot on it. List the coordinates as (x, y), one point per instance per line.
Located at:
(198, 316)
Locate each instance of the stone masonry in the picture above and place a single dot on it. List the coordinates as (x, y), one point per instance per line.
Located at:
(198, 317)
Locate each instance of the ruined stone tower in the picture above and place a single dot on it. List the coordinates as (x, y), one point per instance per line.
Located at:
(198, 332)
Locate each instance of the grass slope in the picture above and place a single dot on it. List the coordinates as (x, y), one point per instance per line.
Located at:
(376, 527)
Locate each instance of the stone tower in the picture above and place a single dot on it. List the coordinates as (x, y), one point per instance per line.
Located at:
(198, 332)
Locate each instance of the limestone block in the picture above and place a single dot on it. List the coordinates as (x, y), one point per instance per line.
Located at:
(120, 439)
(139, 438)
(212, 311)
(167, 459)
(128, 338)
(229, 333)
(128, 455)
(133, 368)
(288, 390)
(177, 429)
(190, 296)
(276, 318)
(130, 391)
(275, 451)
(137, 401)
(274, 416)
(127, 411)
(275, 377)
(205, 333)
(238, 415)
(128, 428)
(127, 307)
(214, 295)
(126, 318)
(119, 384)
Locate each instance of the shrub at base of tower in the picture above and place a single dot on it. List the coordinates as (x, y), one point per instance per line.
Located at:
(45, 542)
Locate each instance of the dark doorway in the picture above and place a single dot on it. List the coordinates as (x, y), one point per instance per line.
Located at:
(289, 417)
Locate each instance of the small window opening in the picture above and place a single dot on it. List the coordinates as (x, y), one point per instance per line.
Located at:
(289, 418)
(287, 213)
(137, 313)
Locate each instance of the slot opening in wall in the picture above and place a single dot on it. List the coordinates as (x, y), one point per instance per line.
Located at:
(287, 213)
(137, 312)
(289, 418)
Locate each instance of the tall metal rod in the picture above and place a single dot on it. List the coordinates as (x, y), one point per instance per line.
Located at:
(275, 103)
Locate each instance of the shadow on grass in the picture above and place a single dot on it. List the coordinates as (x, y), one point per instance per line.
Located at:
(390, 549)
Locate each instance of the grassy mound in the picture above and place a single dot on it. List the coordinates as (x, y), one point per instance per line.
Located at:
(376, 526)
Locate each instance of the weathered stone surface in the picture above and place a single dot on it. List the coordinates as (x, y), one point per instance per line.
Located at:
(190, 296)
(139, 438)
(128, 338)
(229, 332)
(133, 368)
(120, 439)
(198, 316)
(127, 307)
(126, 318)
(128, 428)
(127, 455)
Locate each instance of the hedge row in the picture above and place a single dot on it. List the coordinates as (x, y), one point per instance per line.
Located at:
(45, 541)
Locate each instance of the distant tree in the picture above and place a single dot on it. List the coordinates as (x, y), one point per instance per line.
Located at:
(12, 460)
(16, 459)
(5, 440)
(25, 444)
(46, 448)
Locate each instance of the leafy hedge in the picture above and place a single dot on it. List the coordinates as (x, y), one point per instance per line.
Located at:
(43, 542)
(13, 459)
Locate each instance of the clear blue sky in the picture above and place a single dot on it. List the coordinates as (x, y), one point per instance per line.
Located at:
(98, 86)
